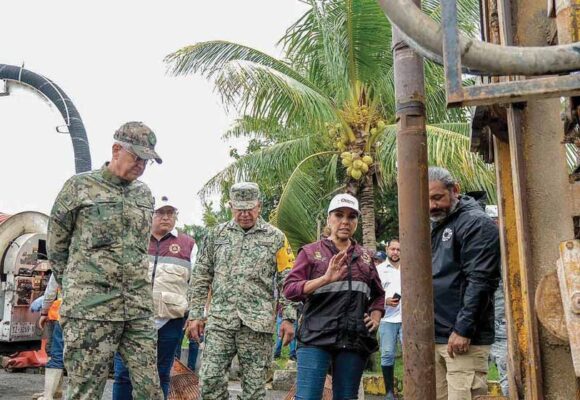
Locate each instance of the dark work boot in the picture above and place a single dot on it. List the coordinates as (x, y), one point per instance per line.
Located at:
(389, 377)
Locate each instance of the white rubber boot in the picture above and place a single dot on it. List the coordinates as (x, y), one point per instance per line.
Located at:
(52, 378)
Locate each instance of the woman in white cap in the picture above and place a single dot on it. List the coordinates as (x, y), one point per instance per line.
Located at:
(343, 304)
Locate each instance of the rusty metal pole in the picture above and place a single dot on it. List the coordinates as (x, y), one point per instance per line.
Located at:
(414, 231)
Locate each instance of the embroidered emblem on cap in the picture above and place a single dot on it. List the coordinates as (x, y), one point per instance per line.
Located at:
(152, 139)
(447, 233)
(175, 248)
(317, 255)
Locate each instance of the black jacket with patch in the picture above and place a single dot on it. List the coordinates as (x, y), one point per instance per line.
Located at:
(466, 267)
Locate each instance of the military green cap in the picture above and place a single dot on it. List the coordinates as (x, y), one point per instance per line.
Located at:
(140, 139)
(244, 195)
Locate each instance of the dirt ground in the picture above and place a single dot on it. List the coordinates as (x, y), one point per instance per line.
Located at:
(21, 386)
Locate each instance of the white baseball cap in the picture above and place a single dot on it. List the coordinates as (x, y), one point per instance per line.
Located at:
(163, 201)
(343, 200)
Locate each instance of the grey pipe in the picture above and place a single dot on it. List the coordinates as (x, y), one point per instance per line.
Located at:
(477, 55)
(64, 105)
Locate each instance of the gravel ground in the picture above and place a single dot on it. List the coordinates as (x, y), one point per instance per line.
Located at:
(21, 386)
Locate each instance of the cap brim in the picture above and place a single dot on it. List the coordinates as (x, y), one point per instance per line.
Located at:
(336, 208)
(166, 205)
(244, 205)
(146, 153)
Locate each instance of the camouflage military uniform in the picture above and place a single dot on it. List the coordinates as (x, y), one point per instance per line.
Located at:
(241, 268)
(97, 244)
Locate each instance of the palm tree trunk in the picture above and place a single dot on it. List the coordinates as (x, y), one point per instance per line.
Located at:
(367, 207)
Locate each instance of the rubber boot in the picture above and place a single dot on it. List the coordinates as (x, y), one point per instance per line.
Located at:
(52, 379)
(389, 377)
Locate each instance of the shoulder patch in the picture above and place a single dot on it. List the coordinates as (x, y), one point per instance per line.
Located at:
(447, 234)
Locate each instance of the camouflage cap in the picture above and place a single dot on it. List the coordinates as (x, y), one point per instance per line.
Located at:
(244, 195)
(140, 139)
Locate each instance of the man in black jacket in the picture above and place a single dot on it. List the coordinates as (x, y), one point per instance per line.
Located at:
(465, 265)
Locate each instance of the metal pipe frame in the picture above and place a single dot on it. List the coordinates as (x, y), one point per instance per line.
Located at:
(416, 274)
(478, 55)
(506, 92)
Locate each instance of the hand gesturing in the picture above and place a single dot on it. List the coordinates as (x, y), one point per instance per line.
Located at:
(336, 267)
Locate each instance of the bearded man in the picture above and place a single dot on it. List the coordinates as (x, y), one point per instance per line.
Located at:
(466, 268)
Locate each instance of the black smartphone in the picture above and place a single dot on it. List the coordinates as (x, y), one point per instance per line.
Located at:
(396, 296)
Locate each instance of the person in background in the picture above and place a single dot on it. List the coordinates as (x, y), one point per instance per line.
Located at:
(391, 328)
(465, 266)
(343, 304)
(49, 317)
(171, 255)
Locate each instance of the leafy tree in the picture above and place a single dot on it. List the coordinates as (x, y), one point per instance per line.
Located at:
(326, 114)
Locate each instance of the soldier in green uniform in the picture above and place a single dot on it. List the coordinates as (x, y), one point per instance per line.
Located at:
(240, 260)
(97, 243)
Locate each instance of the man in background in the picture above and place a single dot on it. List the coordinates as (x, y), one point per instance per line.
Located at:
(465, 266)
(390, 330)
(171, 255)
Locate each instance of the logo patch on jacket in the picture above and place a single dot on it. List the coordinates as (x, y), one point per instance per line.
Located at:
(447, 233)
(175, 248)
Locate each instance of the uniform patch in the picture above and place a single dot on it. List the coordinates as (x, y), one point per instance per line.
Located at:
(366, 258)
(152, 139)
(175, 248)
(317, 256)
(447, 233)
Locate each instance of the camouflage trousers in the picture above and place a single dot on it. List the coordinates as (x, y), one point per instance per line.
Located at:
(89, 347)
(254, 350)
(498, 355)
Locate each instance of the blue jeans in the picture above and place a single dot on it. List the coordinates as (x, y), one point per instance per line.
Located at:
(56, 348)
(167, 340)
(278, 349)
(389, 332)
(313, 363)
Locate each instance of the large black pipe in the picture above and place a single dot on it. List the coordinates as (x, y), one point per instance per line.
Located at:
(64, 105)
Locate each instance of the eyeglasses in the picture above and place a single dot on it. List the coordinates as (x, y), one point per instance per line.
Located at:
(136, 158)
(168, 213)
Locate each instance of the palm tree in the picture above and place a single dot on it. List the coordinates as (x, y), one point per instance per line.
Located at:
(327, 112)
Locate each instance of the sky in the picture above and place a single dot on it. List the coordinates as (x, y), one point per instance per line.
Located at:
(107, 56)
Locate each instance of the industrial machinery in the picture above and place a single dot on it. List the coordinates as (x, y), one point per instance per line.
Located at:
(24, 268)
(24, 273)
(528, 62)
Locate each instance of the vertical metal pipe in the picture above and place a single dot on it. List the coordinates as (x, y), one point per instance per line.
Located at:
(414, 231)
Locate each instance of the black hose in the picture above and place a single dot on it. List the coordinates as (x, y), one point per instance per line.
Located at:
(65, 106)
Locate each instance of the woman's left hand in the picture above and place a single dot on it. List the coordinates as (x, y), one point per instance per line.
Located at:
(371, 323)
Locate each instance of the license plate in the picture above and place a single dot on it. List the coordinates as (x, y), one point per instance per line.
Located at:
(22, 329)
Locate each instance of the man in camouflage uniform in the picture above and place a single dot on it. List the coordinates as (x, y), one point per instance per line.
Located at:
(240, 260)
(98, 236)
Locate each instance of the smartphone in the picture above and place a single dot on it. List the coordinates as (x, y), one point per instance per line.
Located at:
(396, 296)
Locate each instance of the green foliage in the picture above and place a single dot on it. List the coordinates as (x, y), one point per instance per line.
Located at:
(337, 57)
